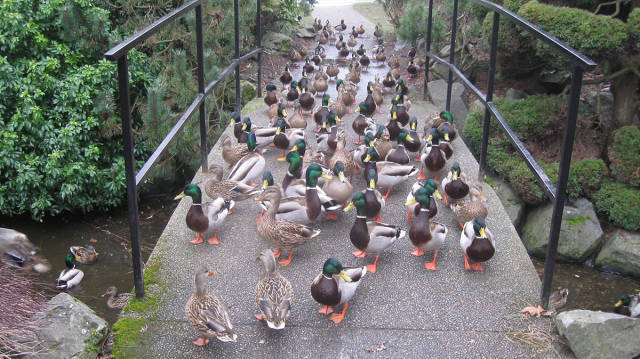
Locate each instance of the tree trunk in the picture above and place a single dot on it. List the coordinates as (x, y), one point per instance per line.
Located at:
(623, 89)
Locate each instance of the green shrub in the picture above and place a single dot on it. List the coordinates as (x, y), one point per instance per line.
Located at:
(593, 35)
(624, 154)
(633, 24)
(514, 5)
(620, 203)
(585, 177)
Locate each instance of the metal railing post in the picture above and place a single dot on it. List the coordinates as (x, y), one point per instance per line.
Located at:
(236, 26)
(427, 49)
(259, 44)
(129, 167)
(201, 83)
(452, 52)
(561, 189)
(489, 97)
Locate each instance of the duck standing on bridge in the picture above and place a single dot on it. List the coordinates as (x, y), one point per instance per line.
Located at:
(204, 218)
(336, 285)
(207, 314)
(415, 207)
(286, 138)
(416, 144)
(228, 189)
(455, 185)
(467, 210)
(390, 173)
(370, 237)
(433, 156)
(281, 233)
(399, 153)
(444, 123)
(274, 293)
(477, 244)
(425, 235)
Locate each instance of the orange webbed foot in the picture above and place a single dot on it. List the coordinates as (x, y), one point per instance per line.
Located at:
(332, 217)
(277, 253)
(197, 240)
(417, 252)
(359, 254)
(214, 239)
(466, 262)
(326, 310)
(477, 267)
(337, 318)
(260, 317)
(431, 265)
(286, 262)
(202, 341)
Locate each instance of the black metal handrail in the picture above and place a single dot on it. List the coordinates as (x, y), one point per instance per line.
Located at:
(579, 64)
(119, 53)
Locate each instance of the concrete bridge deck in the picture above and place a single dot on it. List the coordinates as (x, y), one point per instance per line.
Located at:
(401, 311)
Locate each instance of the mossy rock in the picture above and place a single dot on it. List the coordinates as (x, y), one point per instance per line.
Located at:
(247, 91)
(624, 154)
(277, 41)
(621, 253)
(620, 203)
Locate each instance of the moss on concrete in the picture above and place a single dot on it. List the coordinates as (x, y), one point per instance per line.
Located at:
(127, 335)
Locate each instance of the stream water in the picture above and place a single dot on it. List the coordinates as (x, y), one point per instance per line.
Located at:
(109, 235)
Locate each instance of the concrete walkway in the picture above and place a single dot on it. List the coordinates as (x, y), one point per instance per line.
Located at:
(401, 311)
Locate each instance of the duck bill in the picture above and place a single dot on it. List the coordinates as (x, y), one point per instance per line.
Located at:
(341, 177)
(232, 123)
(278, 131)
(294, 149)
(409, 138)
(338, 119)
(349, 207)
(430, 138)
(265, 184)
(344, 276)
(330, 101)
(437, 194)
(454, 175)
(284, 112)
(358, 109)
(372, 184)
(244, 127)
(368, 158)
(446, 137)
(395, 116)
(618, 303)
(411, 201)
(180, 196)
(326, 176)
(482, 232)
(211, 273)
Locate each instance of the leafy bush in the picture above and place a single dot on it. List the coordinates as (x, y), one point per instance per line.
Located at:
(620, 203)
(585, 177)
(59, 147)
(624, 154)
(595, 36)
(530, 118)
(633, 23)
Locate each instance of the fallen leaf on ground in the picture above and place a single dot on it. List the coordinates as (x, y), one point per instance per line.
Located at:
(93, 240)
(536, 311)
(143, 329)
(381, 347)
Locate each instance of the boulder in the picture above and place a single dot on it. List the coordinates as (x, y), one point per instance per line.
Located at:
(621, 253)
(580, 232)
(599, 334)
(513, 205)
(601, 103)
(67, 328)
(476, 105)
(555, 82)
(513, 94)
(444, 52)
(247, 90)
(305, 33)
(438, 93)
(276, 41)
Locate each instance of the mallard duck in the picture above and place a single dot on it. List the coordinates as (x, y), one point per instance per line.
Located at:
(297, 121)
(343, 52)
(378, 32)
(411, 69)
(370, 237)
(317, 24)
(309, 156)
(232, 153)
(374, 200)
(294, 55)
(359, 124)
(401, 87)
(116, 300)
(270, 96)
(84, 255)
(306, 102)
(558, 298)
(340, 43)
(341, 26)
(477, 244)
(466, 211)
(308, 66)
(338, 187)
(323, 110)
(17, 251)
(394, 62)
(274, 293)
(369, 101)
(360, 51)
(352, 42)
(69, 277)
(360, 29)
(263, 135)
(333, 71)
(432, 190)
(316, 59)
(281, 233)
(204, 218)
(250, 166)
(348, 98)
(416, 144)
(272, 111)
(285, 139)
(399, 153)
(341, 155)
(378, 97)
(339, 106)
(354, 76)
(383, 143)
(403, 114)
(425, 235)
(281, 114)
(447, 127)
(285, 77)
(227, 189)
(365, 61)
(237, 124)
(360, 153)
(390, 173)
(389, 83)
(321, 85)
(455, 185)
(207, 314)
(629, 305)
(293, 93)
(412, 52)
(336, 285)
(433, 157)
(395, 72)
